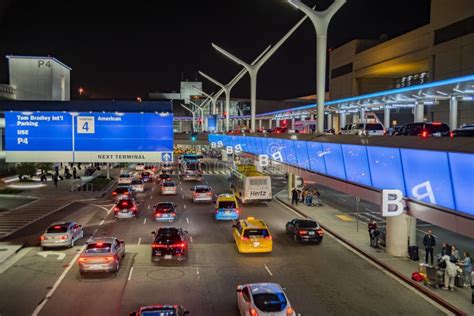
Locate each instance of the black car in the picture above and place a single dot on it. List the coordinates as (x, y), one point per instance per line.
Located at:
(424, 129)
(305, 230)
(463, 132)
(164, 177)
(169, 244)
(168, 310)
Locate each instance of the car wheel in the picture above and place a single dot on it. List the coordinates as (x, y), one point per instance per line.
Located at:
(82, 234)
(72, 243)
(117, 267)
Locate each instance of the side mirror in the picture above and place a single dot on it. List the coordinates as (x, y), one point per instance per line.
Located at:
(153, 233)
(239, 290)
(284, 288)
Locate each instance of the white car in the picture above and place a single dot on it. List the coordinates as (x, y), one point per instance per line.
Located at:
(263, 299)
(61, 234)
(202, 193)
(168, 187)
(138, 186)
(125, 178)
(368, 129)
(167, 167)
(139, 167)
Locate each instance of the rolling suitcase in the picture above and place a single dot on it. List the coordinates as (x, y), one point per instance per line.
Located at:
(413, 253)
(459, 280)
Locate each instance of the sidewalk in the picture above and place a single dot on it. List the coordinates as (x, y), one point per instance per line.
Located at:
(345, 226)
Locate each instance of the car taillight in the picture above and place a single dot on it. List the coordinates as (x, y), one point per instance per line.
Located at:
(180, 245)
(302, 232)
(267, 237)
(320, 232)
(43, 237)
(109, 258)
(173, 213)
(237, 211)
(134, 208)
(114, 193)
(216, 211)
(290, 311)
(116, 209)
(253, 311)
(209, 193)
(424, 134)
(125, 193)
(451, 134)
(156, 246)
(82, 259)
(64, 237)
(244, 238)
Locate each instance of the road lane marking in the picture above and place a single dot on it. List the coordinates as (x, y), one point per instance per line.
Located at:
(153, 188)
(148, 207)
(191, 238)
(341, 199)
(345, 218)
(110, 210)
(184, 206)
(130, 274)
(187, 220)
(144, 221)
(139, 241)
(197, 270)
(102, 222)
(57, 283)
(268, 270)
(182, 196)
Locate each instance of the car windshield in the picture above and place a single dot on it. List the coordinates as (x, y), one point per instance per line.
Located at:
(125, 176)
(270, 302)
(201, 190)
(167, 236)
(57, 229)
(306, 224)
(164, 176)
(434, 128)
(468, 132)
(168, 184)
(374, 127)
(136, 182)
(256, 233)
(164, 207)
(121, 190)
(226, 204)
(192, 166)
(98, 247)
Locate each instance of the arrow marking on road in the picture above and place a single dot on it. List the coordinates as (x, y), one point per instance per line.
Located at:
(45, 254)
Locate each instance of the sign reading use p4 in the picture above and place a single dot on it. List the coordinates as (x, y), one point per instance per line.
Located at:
(87, 137)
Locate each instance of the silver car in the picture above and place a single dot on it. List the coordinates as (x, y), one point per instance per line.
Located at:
(61, 234)
(102, 255)
(202, 193)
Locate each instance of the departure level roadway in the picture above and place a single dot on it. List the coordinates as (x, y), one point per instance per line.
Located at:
(321, 280)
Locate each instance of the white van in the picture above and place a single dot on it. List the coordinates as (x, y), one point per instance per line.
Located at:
(368, 129)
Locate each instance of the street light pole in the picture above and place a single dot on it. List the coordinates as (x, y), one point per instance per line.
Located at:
(320, 21)
(201, 109)
(194, 116)
(253, 69)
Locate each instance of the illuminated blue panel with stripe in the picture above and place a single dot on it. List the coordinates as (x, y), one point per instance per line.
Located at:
(445, 179)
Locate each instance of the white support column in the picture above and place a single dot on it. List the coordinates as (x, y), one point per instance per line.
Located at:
(270, 121)
(397, 236)
(453, 112)
(419, 112)
(291, 178)
(362, 115)
(386, 117)
(342, 116)
(180, 126)
(329, 120)
(277, 123)
(292, 123)
(355, 118)
(260, 123)
(411, 230)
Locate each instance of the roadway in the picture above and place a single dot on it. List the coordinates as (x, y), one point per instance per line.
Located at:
(321, 280)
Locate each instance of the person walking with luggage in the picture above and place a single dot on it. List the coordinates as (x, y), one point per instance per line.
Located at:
(372, 227)
(309, 198)
(449, 273)
(55, 180)
(74, 172)
(429, 242)
(294, 197)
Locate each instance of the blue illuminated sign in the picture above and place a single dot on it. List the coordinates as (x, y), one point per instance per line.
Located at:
(212, 123)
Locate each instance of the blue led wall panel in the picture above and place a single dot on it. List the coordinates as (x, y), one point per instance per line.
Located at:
(427, 176)
(334, 160)
(316, 157)
(386, 168)
(357, 166)
(289, 152)
(301, 152)
(462, 175)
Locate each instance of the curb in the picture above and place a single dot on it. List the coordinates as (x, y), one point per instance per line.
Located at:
(394, 272)
(108, 188)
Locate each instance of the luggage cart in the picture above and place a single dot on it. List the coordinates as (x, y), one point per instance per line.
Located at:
(434, 277)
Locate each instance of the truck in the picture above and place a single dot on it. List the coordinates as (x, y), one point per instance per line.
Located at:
(249, 185)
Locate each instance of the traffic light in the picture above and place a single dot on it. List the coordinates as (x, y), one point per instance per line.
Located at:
(193, 137)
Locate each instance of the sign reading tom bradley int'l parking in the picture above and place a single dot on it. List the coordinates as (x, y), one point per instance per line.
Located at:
(87, 137)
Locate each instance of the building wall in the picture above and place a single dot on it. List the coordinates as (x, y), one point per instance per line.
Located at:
(433, 48)
(40, 79)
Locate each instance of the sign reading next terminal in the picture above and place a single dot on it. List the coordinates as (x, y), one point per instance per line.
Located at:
(87, 137)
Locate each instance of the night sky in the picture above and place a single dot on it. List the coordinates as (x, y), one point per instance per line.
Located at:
(123, 49)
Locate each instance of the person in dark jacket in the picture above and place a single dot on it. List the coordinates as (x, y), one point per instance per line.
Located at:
(372, 228)
(294, 197)
(429, 242)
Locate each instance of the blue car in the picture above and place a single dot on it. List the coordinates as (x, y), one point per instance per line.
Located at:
(226, 208)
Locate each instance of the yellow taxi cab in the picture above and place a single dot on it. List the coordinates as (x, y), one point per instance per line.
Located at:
(252, 235)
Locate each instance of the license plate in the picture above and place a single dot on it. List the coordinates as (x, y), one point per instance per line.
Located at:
(124, 211)
(168, 257)
(96, 266)
(311, 233)
(227, 212)
(256, 244)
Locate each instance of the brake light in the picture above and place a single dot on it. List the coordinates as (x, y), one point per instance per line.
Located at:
(156, 246)
(82, 259)
(436, 123)
(134, 208)
(244, 238)
(125, 193)
(290, 311)
(173, 214)
(181, 245)
(237, 211)
(267, 237)
(64, 237)
(451, 134)
(209, 193)
(43, 237)
(110, 258)
(424, 134)
(253, 311)
(99, 244)
(114, 193)
(320, 232)
(216, 211)
(57, 227)
(116, 209)
(302, 232)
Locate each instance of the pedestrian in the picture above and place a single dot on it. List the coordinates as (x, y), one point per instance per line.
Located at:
(372, 228)
(309, 198)
(303, 194)
(74, 172)
(449, 273)
(55, 180)
(446, 250)
(294, 197)
(317, 196)
(429, 242)
(467, 269)
(454, 254)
